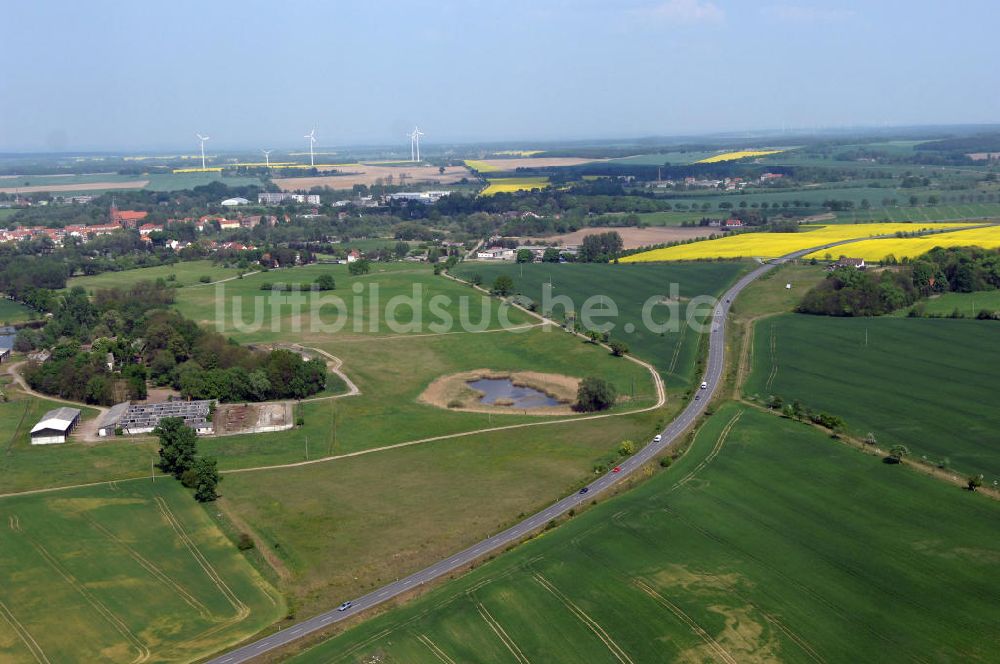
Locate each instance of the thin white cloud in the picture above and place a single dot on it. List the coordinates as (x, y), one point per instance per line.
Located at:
(806, 14)
(686, 11)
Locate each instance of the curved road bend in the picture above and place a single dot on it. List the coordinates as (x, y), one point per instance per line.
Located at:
(673, 431)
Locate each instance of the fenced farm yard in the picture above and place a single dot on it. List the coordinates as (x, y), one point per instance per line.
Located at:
(125, 572)
(733, 554)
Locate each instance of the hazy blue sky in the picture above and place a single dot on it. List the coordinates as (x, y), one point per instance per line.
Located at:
(136, 75)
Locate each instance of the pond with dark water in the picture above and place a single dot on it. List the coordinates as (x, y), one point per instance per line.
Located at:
(511, 395)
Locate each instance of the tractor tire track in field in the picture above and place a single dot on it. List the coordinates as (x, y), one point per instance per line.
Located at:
(582, 616)
(773, 350)
(806, 647)
(242, 610)
(22, 633)
(435, 650)
(716, 647)
(819, 598)
(153, 570)
(117, 623)
(501, 634)
(716, 449)
(462, 594)
(677, 351)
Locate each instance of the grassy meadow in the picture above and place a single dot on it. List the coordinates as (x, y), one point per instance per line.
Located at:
(918, 382)
(752, 547)
(185, 273)
(14, 312)
(673, 352)
(343, 527)
(968, 305)
(123, 573)
(363, 301)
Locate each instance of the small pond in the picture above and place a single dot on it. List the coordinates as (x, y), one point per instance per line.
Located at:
(509, 394)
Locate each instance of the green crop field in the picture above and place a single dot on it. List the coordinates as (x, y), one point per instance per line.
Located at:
(629, 287)
(125, 573)
(766, 542)
(918, 382)
(179, 181)
(186, 273)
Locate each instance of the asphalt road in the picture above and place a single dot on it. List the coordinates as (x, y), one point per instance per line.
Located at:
(462, 559)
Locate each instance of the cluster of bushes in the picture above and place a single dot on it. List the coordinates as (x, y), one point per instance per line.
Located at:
(796, 411)
(850, 292)
(325, 282)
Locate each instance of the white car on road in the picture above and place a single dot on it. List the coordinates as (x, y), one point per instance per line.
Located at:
(657, 438)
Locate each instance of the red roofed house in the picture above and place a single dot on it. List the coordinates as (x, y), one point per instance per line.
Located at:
(126, 218)
(146, 229)
(733, 222)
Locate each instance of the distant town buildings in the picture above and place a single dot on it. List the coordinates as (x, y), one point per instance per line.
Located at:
(426, 197)
(277, 198)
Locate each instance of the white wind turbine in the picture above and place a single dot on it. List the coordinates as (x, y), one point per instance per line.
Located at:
(312, 141)
(415, 144)
(267, 157)
(202, 139)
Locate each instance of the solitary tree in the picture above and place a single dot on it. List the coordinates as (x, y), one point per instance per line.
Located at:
(357, 268)
(594, 393)
(503, 285)
(207, 479)
(525, 256)
(974, 482)
(326, 282)
(870, 439)
(177, 446)
(626, 448)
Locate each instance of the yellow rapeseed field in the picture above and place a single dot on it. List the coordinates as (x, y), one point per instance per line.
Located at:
(911, 247)
(210, 169)
(508, 185)
(481, 166)
(733, 156)
(772, 245)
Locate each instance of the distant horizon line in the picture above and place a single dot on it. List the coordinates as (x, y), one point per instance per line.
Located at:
(636, 140)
